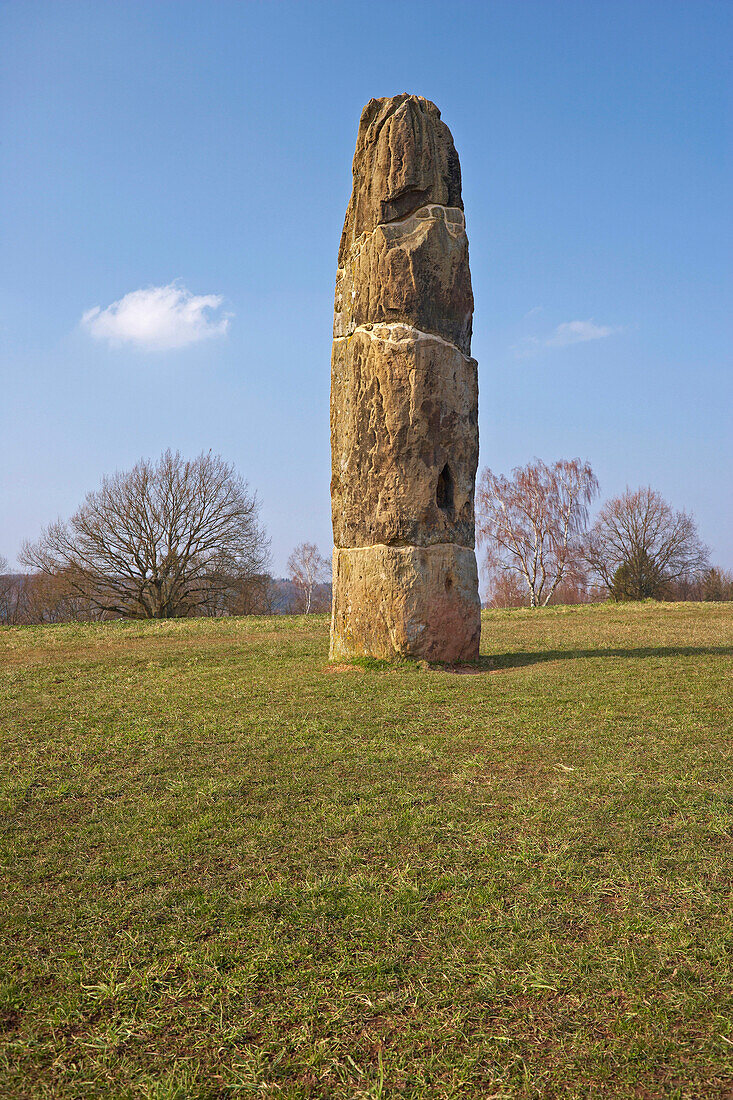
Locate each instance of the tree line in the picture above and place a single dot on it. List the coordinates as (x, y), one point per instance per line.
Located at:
(182, 537)
(167, 539)
(539, 548)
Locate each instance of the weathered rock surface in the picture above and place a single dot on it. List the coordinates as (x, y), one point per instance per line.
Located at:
(404, 397)
(405, 159)
(402, 414)
(419, 601)
(415, 271)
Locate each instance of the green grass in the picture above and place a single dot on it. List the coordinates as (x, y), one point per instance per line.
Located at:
(228, 871)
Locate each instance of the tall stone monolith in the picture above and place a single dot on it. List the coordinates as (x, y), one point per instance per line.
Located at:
(404, 398)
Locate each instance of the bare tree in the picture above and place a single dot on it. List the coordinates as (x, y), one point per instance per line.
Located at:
(156, 541)
(51, 598)
(638, 545)
(34, 599)
(242, 594)
(532, 524)
(717, 585)
(7, 593)
(307, 570)
(255, 596)
(505, 590)
(714, 584)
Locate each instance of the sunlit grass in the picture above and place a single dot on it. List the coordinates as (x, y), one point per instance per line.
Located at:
(230, 871)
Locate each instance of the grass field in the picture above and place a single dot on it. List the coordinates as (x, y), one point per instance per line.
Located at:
(230, 871)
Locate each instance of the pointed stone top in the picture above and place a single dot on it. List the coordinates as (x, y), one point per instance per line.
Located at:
(405, 158)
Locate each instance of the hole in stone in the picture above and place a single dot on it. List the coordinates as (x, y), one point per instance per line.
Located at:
(448, 583)
(444, 491)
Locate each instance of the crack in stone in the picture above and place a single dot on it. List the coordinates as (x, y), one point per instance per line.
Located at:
(375, 332)
(363, 237)
(403, 545)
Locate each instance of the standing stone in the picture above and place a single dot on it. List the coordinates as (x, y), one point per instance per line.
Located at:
(404, 398)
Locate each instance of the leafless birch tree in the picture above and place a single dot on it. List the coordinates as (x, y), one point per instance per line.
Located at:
(532, 524)
(308, 569)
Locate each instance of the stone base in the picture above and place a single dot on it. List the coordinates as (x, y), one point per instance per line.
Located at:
(405, 601)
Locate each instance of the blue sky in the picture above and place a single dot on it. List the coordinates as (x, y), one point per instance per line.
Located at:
(207, 147)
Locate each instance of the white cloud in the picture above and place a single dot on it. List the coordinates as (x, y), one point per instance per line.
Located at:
(158, 318)
(577, 332)
(569, 332)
